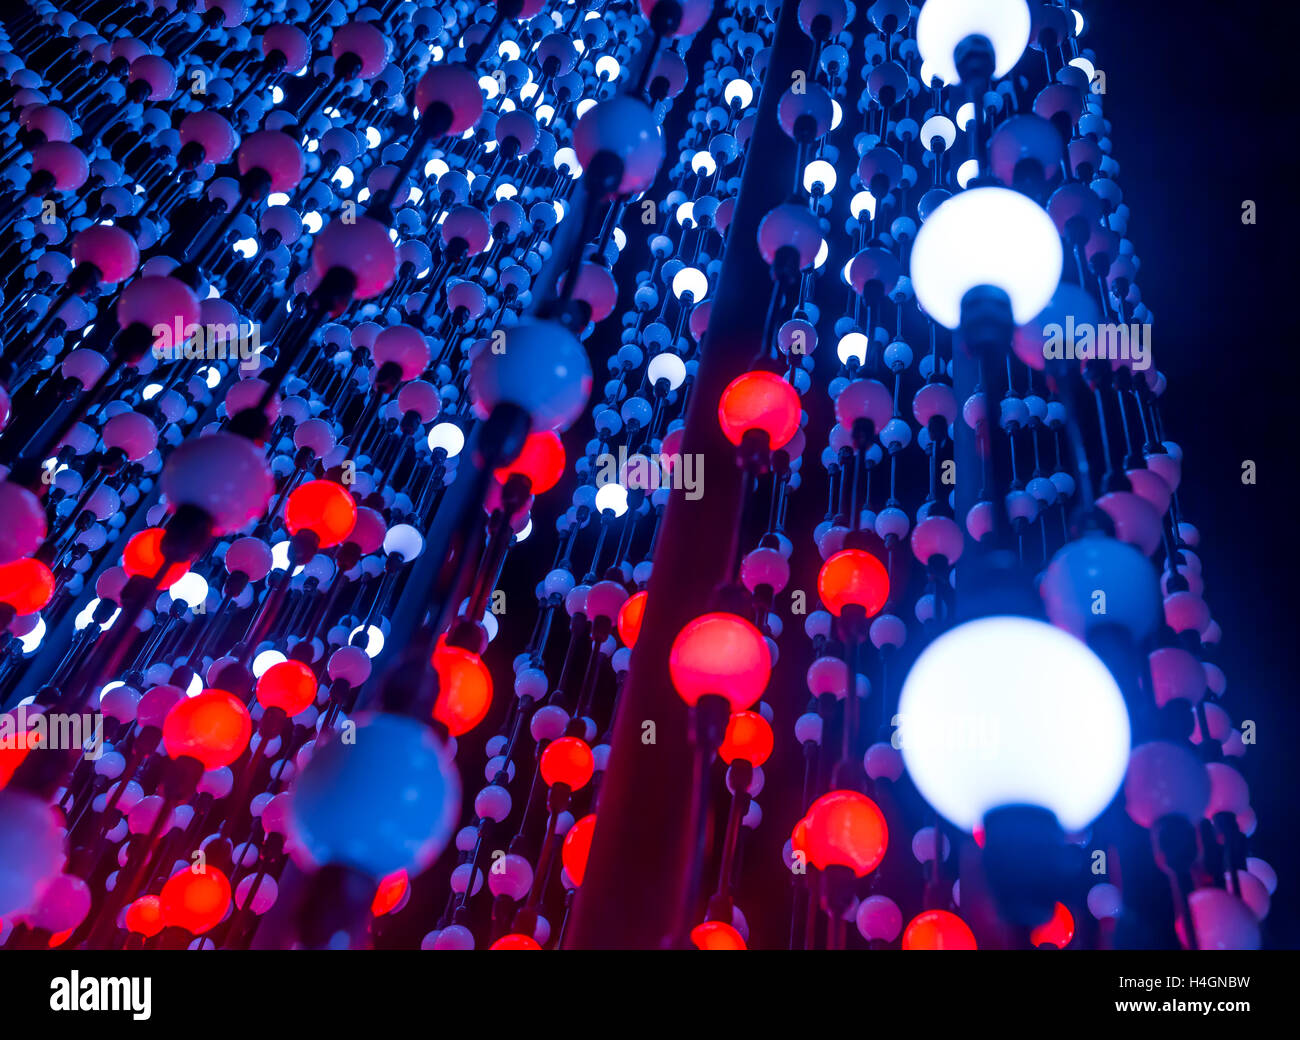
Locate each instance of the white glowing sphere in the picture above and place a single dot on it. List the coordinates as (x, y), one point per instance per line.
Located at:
(666, 366)
(265, 660)
(447, 436)
(190, 588)
(943, 24)
(1011, 711)
(819, 173)
(613, 497)
(986, 236)
(690, 280)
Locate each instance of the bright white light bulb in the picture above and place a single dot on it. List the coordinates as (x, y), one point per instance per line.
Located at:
(265, 660)
(447, 436)
(863, 206)
(740, 92)
(612, 497)
(374, 640)
(690, 280)
(852, 345)
(943, 24)
(190, 588)
(819, 173)
(666, 366)
(1011, 711)
(986, 236)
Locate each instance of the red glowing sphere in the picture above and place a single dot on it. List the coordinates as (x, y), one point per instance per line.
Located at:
(195, 902)
(515, 941)
(143, 556)
(845, 829)
(720, 654)
(213, 727)
(853, 577)
(144, 916)
(760, 401)
(1057, 931)
(289, 686)
(630, 616)
(541, 461)
(577, 847)
(464, 688)
(717, 935)
(389, 894)
(938, 930)
(568, 761)
(749, 737)
(322, 507)
(26, 585)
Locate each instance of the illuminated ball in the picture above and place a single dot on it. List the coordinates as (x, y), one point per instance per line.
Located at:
(845, 829)
(748, 737)
(720, 654)
(568, 761)
(26, 585)
(212, 727)
(143, 557)
(289, 686)
(541, 461)
(717, 935)
(853, 577)
(938, 930)
(464, 688)
(760, 401)
(195, 902)
(577, 847)
(322, 507)
(382, 800)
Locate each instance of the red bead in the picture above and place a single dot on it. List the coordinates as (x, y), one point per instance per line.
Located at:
(760, 401)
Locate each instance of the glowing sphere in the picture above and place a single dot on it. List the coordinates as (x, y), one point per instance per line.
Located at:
(385, 802)
(577, 847)
(515, 941)
(26, 585)
(541, 461)
(31, 849)
(464, 688)
(1057, 931)
(143, 557)
(144, 916)
(289, 686)
(212, 727)
(853, 577)
(717, 935)
(720, 654)
(938, 930)
(943, 24)
(760, 401)
(568, 761)
(845, 829)
(322, 507)
(749, 738)
(630, 616)
(986, 236)
(1011, 711)
(195, 902)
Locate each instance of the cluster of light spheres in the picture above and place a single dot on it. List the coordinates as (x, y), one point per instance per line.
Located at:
(364, 370)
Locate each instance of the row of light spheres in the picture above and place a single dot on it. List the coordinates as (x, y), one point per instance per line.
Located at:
(421, 208)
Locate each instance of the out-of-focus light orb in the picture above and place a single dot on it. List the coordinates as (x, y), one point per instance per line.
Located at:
(1011, 711)
(965, 115)
(943, 24)
(447, 436)
(819, 177)
(986, 236)
(967, 172)
(612, 496)
(522, 534)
